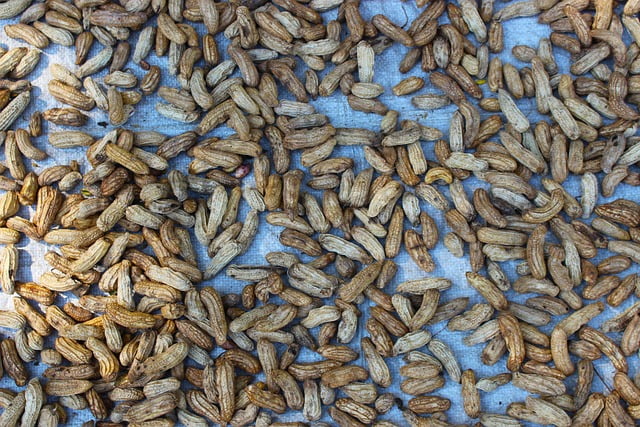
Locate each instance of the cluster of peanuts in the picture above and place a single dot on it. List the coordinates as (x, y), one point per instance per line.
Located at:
(134, 327)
